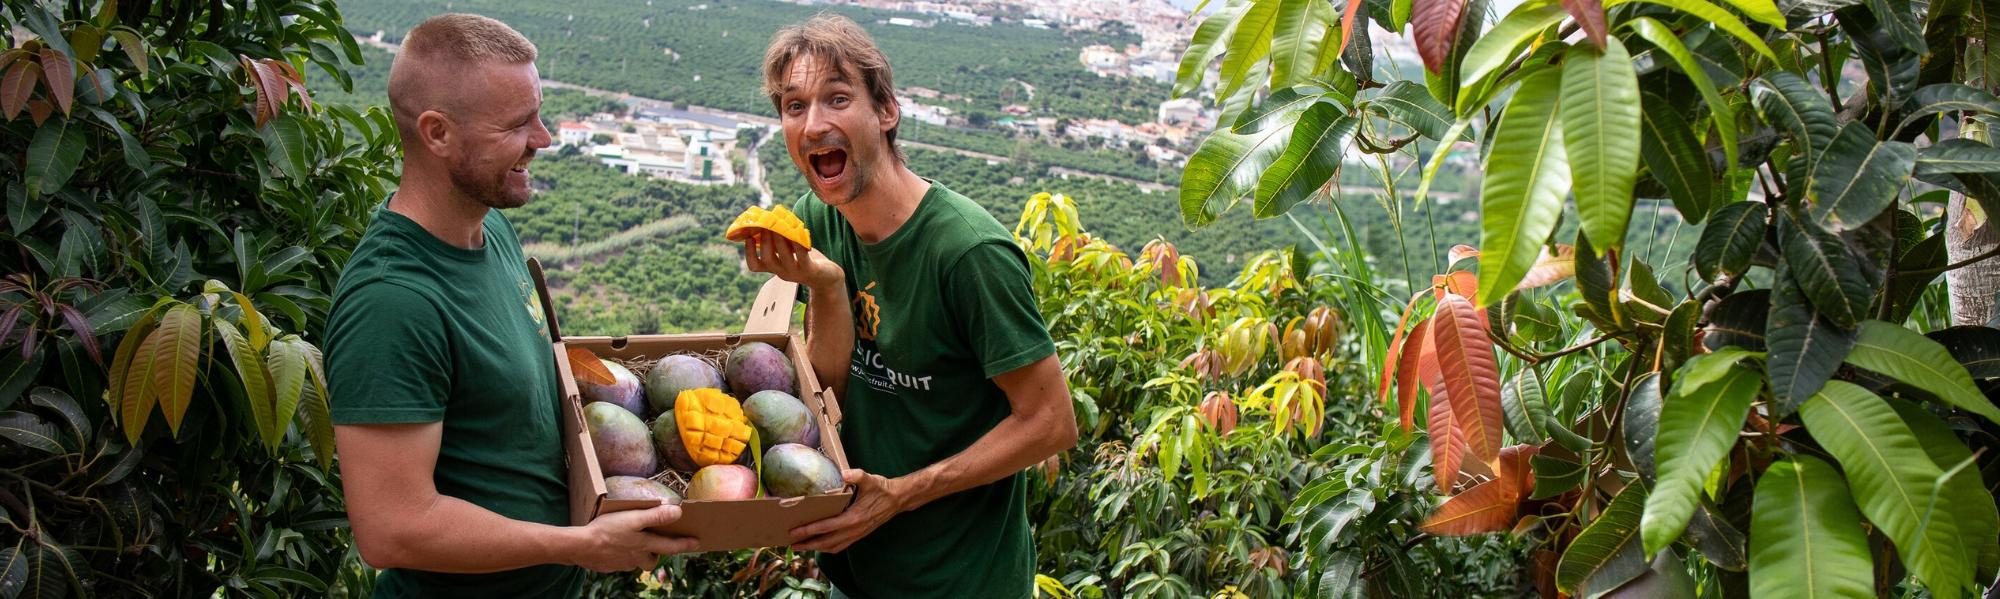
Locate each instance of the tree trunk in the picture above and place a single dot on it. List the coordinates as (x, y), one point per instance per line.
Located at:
(1970, 232)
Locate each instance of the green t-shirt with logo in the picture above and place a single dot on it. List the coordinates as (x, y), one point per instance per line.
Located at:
(423, 331)
(941, 306)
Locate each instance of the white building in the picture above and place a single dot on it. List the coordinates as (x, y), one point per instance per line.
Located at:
(1180, 111)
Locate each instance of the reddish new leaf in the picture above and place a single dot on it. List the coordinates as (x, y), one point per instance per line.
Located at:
(59, 74)
(1515, 470)
(1486, 508)
(1447, 441)
(81, 326)
(1395, 349)
(1471, 376)
(1434, 24)
(1460, 252)
(1413, 355)
(1347, 25)
(588, 368)
(293, 81)
(1461, 282)
(40, 109)
(1589, 15)
(1551, 268)
(16, 86)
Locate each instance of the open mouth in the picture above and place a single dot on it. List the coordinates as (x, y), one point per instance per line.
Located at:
(522, 166)
(830, 164)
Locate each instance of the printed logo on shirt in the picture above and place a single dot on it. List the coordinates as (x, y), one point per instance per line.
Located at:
(867, 314)
(533, 301)
(868, 367)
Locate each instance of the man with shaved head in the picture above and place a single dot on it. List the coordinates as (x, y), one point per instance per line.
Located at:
(445, 397)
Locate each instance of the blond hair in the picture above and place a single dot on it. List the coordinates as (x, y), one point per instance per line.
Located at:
(838, 43)
(445, 44)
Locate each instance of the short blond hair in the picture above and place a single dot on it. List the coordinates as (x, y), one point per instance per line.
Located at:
(839, 43)
(448, 43)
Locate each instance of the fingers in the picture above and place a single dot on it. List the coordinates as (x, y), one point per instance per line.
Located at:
(853, 475)
(663, 515)
(665, 545)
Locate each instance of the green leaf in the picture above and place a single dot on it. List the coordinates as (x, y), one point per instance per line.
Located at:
(1249, 43)
(1500, 44)
(72, 414)
(288, 369)
(1940, 98)
(1725, 120)
(1730, 240)
(1917, 361)
(1793, 106)
(1900, 22)
(1718, 540)
(1319, 142)
(285, 144)
(1856, 177)
(1806, 540)
(134, 47)
(1280, 109)
(1805, 347)
(1600, 129)
(1554, 476)
(54, 155)
(1410, 104)
(1225, 167)
(174, 350)
(1642, 422)
(1979, 521)
(135, 153)
(1527, 172)
(1295, 40)
(30, 431)
(1607, 553)
(1707, 11)
(16, 375)
(1763, 11)
(1698, 424)
(253, 371)
(1527, 410)
(1894, 482)
(1825, 269)
(1975, 347)
(1958, 155)
(1203, 47)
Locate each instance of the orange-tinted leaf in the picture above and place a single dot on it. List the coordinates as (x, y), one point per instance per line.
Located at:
(293, 81)
(1406, 375)
(1461, 282)
(1486, 508)
(16, 86)
(1460, 252)
(1514, 468)
(1471, 376)
(1395, 348)
(1447, 442)
(136, 396)
(1589, 16)
(1551, 268)
(1347, 25)
(1434, 24)
(59, 74)
(175, 357)
(40, 109)
(588, 368)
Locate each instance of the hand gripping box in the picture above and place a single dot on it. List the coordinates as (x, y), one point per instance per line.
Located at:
(719, 525)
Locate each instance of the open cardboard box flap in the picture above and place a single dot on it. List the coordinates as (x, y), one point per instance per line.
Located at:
(719, 525)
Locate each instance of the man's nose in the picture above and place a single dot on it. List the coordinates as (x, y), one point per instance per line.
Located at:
(818, 121)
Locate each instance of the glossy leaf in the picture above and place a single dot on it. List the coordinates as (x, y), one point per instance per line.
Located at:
(1725, 119)
(54, 154)
(1249, 43)
(1522, 193)
(1589, 16)
(174, 349)
(1720, 542)
(1319, 141)
(1210, 39)
(1485, 508)
(59, 76)
(1279, 109)
(1607, 551)
(1471, 376)
(1977, 348)
(1805, 347)
(1551, 268)
(1416, 357)
(1857, 177)
(1226, 166)
(1500, 44)
(1410, 104)
(1730, 240)
(1722, 19)
(1806, 540)
(1970, 503)
(17, 86)
(31, 431)
(1825, 269)
(1555, 476)
(1792, 105)
(1434, 25)
(1956, 156)
(1295, 40)
(1893, 481)
(1906, 356)
(285, 142)
(1526, 408)
(1940, 98)
(1600, 129)
(1642, 422)
(1698, 424)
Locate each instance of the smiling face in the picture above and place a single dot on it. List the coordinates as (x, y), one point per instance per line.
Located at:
(498, 127)
(836, 135)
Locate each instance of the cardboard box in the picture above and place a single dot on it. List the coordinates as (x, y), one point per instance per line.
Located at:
(719, 525)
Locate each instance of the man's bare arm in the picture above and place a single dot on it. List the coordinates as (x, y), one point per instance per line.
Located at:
(401, 521)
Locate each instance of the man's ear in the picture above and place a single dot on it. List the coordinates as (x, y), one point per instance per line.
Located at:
(436, 132)
(889, 114)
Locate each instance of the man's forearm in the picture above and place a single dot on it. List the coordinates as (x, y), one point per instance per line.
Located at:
(830, 335)
(1019, 441)
(442, 537)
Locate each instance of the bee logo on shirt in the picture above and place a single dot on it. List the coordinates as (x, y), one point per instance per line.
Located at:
(867, 314)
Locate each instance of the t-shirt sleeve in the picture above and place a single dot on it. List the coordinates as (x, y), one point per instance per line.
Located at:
(388, 357)
(992, 296)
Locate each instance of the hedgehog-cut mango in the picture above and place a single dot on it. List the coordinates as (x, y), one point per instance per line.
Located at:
(713, 427)
(779, 220)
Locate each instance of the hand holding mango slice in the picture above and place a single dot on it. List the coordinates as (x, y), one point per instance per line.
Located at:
(779, 220)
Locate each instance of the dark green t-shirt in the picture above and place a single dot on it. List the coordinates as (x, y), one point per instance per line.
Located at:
(941, 306)
(423, 331)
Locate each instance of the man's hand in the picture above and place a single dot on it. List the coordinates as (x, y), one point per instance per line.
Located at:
(619, 541)
(876, 500)
(772, 253)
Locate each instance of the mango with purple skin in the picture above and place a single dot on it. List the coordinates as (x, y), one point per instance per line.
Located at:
(623, 392)
(757, 366)
(667, 441)
(794, 470)
(622, 443)
(781, 418)
(676, 373)
(722, 482)
(633, 487)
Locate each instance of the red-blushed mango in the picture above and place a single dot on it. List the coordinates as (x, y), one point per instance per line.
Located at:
(667, 441)
(623, 446)
(722, 482)
(780, 418)
(794, 470)
(633, 487)
(623, 392)
(756, 366)
(675, 374)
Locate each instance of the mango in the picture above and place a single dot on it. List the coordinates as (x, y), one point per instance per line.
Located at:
(757, 366)
(625, 392)
(623, 446)
(676, 373)
(794, 470)
(780, 418)
(667, 441)
(633, 487)
(722, 482)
